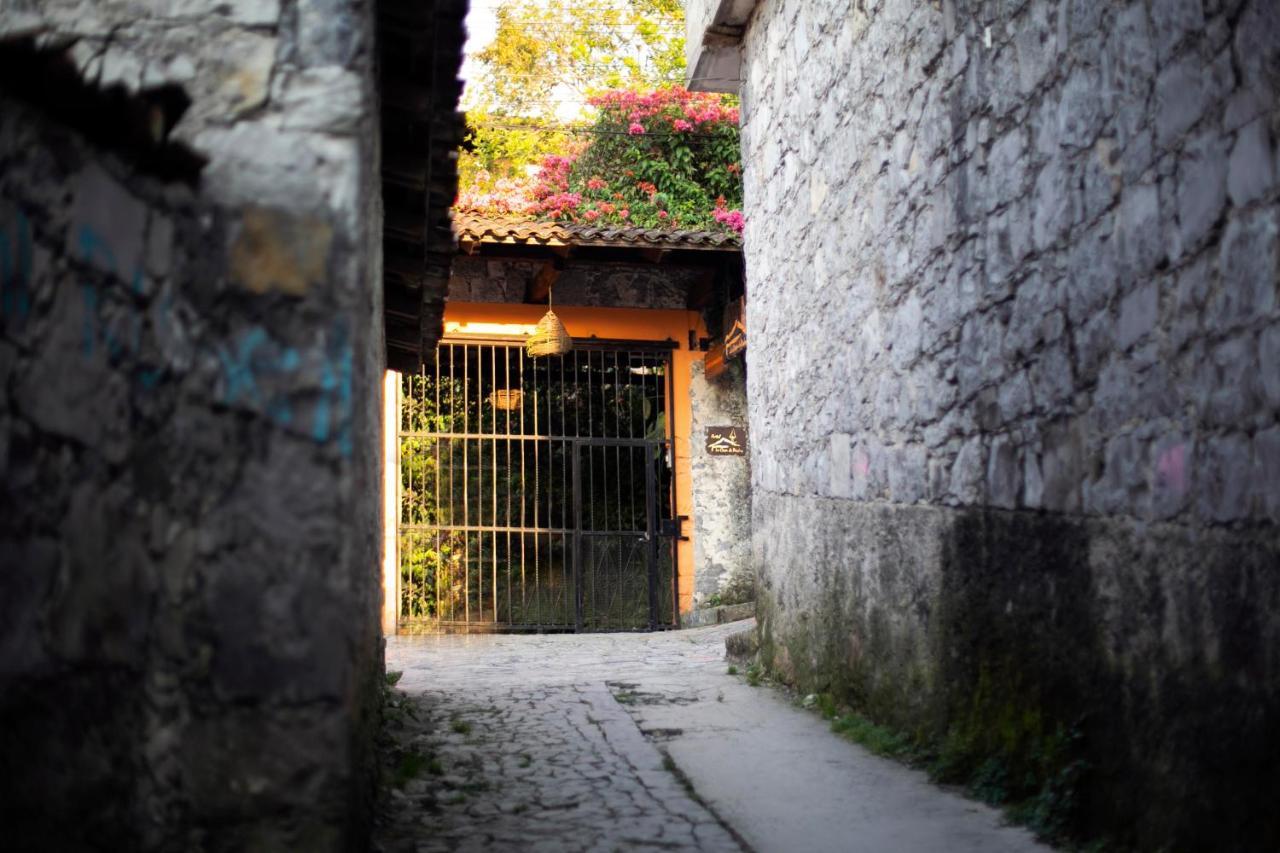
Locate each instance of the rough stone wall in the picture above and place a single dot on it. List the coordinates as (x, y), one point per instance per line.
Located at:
(189, 421)
(1014, 384)
(721, 491)
(611, 285)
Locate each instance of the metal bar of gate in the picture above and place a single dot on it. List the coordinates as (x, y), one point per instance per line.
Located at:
(591, 541)
(577, 542)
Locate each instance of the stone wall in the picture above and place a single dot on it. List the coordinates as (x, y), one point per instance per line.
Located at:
(189, 646)
(721, 491)
(594, 285)
(1014, 388)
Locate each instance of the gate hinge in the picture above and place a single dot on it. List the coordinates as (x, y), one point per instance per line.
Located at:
(674, 527)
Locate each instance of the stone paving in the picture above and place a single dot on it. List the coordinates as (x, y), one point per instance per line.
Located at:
(524, 746)
(605, 742)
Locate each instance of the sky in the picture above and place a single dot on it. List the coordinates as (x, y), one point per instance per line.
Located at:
(481, 24)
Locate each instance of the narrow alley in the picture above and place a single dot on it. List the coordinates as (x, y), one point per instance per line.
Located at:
(604, 742)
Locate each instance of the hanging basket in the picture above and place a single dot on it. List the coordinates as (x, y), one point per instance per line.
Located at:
(549, 338)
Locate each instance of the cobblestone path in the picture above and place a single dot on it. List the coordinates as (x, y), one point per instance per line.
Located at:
(525, 743)
(604, 742)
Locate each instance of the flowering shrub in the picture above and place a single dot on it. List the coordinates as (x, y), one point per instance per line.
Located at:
(662, 159)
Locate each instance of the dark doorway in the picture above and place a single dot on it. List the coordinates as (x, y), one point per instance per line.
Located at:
(537, 494)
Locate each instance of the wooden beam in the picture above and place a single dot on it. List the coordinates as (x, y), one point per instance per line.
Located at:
(701, 291)
(540, 285)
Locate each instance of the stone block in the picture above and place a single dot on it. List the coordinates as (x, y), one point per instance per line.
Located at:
(1139, 311)
(1140, 243)
(1256, 50)
(1051, 377)
(1172, 460)
(1249, 264)
(108, 224)
(841, 471)
(1181, 100)
(1003, 474)
(1269, 365)
(249, 13)
(1173, 21)
(1123, 478)
(1225, 478)
(1080, 109)
(908, 473)
(1251, 170)
(968, 472)
(1227, 386)
(329, 32)
(242, 68)
(274, 249)
(1015, 399)
(1062, 466)
(1052, 203)
(1202, 187)
(1266, 453)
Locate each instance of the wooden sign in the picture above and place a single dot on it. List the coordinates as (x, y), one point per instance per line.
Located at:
(735, 328)
(726, 441)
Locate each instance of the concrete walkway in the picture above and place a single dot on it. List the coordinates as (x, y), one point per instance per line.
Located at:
(640, 741)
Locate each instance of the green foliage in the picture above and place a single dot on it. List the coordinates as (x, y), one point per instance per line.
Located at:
(461, 727)
(655, 155)
(879, 739)
(755, 674)
(546, 53)
(733, 670)
(409, 767)
(547, 56)
(393, 678)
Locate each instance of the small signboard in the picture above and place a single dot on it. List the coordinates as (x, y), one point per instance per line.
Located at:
(726, 441)
(735, 328)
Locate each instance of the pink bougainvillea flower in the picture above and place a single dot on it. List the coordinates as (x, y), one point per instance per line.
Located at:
(681, 125)
(635, 129)
(592, 215)
(662, 214)
(731, 219)
(624, 213)
(597, 183)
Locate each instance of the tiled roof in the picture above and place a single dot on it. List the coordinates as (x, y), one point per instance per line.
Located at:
(478, 229)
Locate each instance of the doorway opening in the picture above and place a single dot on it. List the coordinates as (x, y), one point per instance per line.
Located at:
(537, 494)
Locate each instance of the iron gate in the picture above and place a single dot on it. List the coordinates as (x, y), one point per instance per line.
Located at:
(537, 494)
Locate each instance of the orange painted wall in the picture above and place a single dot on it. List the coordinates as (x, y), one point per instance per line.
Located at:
(621, 324)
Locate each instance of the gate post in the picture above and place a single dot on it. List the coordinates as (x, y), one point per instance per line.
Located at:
(390, 502)
(577, 533)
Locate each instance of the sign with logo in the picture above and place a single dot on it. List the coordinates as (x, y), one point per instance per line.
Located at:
(726, 441)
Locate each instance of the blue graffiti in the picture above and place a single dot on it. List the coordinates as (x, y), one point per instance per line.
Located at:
(255, 358)
(116, 342)
(15, 269)
(244, 364)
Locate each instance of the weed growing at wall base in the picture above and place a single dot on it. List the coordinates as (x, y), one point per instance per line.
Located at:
(1045, 804)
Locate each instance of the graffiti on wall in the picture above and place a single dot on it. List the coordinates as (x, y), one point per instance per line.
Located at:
(306, 390)
(15, 267)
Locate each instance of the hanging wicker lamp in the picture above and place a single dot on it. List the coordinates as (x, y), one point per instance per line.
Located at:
(549, 337)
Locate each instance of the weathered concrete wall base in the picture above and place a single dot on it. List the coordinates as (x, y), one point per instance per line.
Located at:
(1038, 640)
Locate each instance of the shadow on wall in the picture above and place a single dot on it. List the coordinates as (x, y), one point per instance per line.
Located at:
(1107, 678)
(1113, 683)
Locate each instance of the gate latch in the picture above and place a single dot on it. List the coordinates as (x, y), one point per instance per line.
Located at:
(674, 527)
